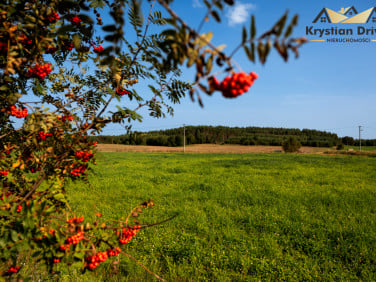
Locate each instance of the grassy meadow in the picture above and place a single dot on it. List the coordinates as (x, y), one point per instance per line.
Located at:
(240, 216)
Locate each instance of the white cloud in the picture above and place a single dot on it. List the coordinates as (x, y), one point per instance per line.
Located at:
(197, 4)
(239, 13)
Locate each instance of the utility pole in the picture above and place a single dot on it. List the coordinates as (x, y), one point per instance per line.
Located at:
(184, 138)
(360, 139)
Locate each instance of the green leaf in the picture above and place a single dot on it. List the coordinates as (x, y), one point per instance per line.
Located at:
(250, 55)
(215, 16)
(109, 28)
(294, 21)
(60, 197)
(14, 235)
(288, 31)
(280, 25)
(219, 5)
(253, 27)
(76, 41)
(261, 52)
(208, 5)
(79, 255)
(244, 35)
(290, 28)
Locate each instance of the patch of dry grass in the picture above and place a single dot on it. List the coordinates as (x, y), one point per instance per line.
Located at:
(204, 148)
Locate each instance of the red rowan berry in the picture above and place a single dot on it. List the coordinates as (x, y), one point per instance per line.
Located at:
(98, 49)
(113, 253)
(76, 20)
(76, 220)
(67, 45)
(75, 239)
(13, 269)
(121, 92)
(53, 17)
(42, 135)
(19, 208)
(235, 85)
(27, 42)
(84, 156)
(18, 112)
(64, 247)
(78, 171)
(69, 118)
(40, 71)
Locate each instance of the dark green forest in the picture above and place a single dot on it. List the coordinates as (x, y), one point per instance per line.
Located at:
(230, 135)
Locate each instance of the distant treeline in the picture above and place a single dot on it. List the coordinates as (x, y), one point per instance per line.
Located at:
(230, 135)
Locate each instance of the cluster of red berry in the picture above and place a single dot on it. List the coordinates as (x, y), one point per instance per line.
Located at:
(98, 49)
(121, 92)
(93, 143)
(4, 172)
(40, 71)
(128, 233)
(13, 269)
(26, 41)
(18, 112)
(75, 239)
(64, 247)
(69, 118)
(76, 20)
(57, 260)
(113, 253)
(77, 171)
(84, 156)
(76, 220)
(94, 260)
(235, 85)
(68, 45)
(42, 135)
(19, 208)
(53, 17)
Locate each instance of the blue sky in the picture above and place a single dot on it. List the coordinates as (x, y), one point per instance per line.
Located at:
(330, 87)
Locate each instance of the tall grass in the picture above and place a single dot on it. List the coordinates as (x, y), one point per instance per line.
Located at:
(241, 217)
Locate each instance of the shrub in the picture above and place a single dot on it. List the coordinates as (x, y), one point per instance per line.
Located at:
(291, 145)
(340, 147)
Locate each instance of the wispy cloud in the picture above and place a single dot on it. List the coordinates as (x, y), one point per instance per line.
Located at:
(239, 13)
(197, 4)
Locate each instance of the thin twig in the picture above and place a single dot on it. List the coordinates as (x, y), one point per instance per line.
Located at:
(158, 223)
(35, 186)
(203, 20)
(143, 266)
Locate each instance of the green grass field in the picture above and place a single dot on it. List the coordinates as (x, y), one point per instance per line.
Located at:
(364, 148)
(241, 216)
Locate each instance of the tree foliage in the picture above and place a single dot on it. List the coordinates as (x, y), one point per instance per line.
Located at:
(63, 65)
(291, 145)
(223, 135)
